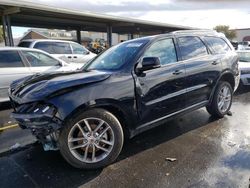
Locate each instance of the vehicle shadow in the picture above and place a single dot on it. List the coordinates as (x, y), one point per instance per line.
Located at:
(166, 132)
(49, 169)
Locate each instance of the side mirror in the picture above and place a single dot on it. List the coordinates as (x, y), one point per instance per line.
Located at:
(149, 63)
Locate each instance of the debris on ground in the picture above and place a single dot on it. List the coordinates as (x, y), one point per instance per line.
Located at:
(229, 113)
(231, 144)
(171, 159)
(167, 174)
(15, 146)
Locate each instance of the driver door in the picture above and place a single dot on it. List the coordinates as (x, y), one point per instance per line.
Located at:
(161, 91)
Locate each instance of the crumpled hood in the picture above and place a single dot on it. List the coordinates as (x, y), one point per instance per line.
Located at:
(40, 86)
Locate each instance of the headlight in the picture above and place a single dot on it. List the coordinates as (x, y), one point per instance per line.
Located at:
(37, 108)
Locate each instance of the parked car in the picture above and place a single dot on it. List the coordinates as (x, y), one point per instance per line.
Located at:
(18, 62)
(130, 88)
(245, 45)
(68, 51)
(244, 65)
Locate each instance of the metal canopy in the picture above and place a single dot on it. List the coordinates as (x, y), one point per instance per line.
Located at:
(28, 14)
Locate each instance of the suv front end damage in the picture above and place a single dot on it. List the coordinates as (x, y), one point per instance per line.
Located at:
(41, 119)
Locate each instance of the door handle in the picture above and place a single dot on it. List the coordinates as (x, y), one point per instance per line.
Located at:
(177, 72)
(69, 57)
(215, 62)
(75, 57)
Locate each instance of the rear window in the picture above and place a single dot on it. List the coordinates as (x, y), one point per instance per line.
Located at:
(10, 59)
(24, 44)
(54, 47)
(218, 44)
(191, 47)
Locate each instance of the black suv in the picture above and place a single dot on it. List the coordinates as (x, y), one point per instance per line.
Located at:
(131, 87)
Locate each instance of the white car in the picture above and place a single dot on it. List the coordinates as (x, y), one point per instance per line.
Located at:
(16, 62)
(244, 65)
(245, 45)
(68, 51)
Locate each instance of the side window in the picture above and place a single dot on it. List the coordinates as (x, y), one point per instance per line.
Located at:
(37, 59)
(78, 49)
(191, 47)
(54, 47)
(45, 46)
(10, 59)
(218, 44)
(164, 49)
(61, 48)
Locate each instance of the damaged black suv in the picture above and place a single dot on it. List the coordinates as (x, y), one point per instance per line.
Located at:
(131, 87)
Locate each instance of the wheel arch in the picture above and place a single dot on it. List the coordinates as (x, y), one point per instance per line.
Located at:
(111, 107)
(225, 76)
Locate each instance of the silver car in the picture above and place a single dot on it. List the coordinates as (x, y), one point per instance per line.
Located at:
(18, 62)
(68, 51)
(244, 65)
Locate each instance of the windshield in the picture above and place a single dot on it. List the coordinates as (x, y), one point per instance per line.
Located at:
(244, 56)
(115, 57)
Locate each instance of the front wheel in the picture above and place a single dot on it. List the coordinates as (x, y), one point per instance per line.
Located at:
(222, 100)
(91, 139)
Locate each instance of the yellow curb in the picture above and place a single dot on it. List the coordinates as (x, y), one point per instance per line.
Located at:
(8, 127)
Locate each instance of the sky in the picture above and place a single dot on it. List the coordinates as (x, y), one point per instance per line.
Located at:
(196, 13)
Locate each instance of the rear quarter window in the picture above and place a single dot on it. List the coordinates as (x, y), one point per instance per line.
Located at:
(24, 44)
(217, 44)
(191, 46)
(54, 47)
(10, 59)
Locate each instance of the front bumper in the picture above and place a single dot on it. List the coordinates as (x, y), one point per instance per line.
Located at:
(44, 122)
(40, 118)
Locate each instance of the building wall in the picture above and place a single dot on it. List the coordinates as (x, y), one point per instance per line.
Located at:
(34, 35)
(71, 35)
(241, 34)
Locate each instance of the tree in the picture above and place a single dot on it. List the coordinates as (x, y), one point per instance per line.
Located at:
(230, 34)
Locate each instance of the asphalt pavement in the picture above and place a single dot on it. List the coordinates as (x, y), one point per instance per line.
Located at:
(203, 152)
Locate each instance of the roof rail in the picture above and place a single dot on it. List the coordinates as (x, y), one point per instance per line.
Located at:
(198, 31)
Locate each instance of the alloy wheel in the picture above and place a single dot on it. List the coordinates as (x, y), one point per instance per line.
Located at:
(224, 99)
(91, 140)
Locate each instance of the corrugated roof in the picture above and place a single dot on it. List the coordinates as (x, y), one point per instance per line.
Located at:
(33, 14)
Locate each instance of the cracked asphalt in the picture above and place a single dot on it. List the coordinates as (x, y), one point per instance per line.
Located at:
(209, 153)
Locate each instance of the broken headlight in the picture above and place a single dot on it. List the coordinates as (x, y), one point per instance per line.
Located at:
(37, 108)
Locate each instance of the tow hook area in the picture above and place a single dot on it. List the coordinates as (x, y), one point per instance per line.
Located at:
(49, 142)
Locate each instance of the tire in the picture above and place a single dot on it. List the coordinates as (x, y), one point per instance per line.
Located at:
(104, 152)
(215, 108)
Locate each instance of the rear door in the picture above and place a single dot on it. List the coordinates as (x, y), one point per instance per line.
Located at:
(12, 67)
(161, 91)
(202, 69)
(60, 50)
(41, 62)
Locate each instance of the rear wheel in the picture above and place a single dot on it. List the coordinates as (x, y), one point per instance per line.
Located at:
(91, 139)
(222, 100)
